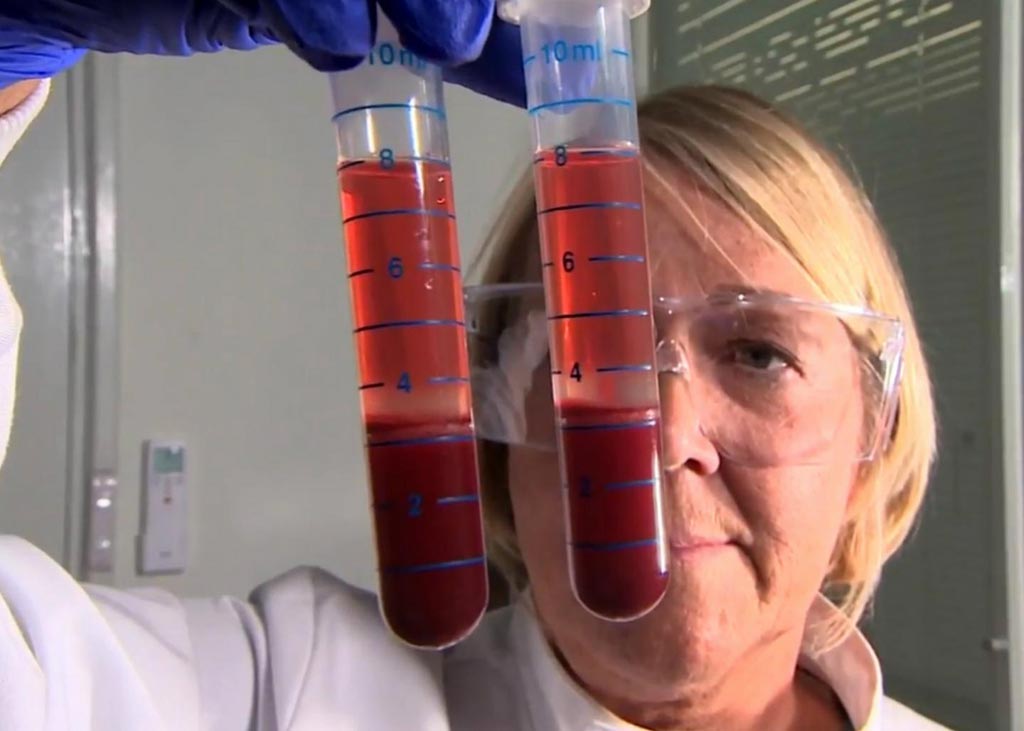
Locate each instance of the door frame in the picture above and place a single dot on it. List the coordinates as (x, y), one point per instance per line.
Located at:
(93, 319)
(1011, 276)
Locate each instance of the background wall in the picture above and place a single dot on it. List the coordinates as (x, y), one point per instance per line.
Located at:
(234, 308)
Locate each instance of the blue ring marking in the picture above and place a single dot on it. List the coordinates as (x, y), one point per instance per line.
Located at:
(413, 158)
(581, 100)
(634, 258)
(407, 323)
(528, 59)
(359, 273)
(400, 212)
(425, 158)
(620, 52)
(611, 427)
(370, 107)
(447, 379)
(638, 368)
(456, 499)
(367, 386)
(608, 313)
(618, 546)
(629, 484)
(616, 153)
(577, 206)
(444, 439)
(440, 267)
(440, 566)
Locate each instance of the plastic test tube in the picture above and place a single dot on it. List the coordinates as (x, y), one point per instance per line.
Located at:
(405, 289)
(579, 80)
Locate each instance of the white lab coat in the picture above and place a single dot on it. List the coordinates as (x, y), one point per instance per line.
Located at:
(305, 652)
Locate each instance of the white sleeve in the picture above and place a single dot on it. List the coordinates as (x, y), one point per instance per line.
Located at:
(309, 653)
(14, 123)
(198, 659)
(333, 664)
(69, 663)
(91, 658)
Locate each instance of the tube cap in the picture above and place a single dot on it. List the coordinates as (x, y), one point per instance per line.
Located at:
(512, 10)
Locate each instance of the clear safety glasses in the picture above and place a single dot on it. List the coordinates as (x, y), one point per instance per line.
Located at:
(769, 379)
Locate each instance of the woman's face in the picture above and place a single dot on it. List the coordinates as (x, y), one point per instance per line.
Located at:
(726, 605)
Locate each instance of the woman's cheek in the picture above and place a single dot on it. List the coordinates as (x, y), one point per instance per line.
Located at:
(537, 507)
(795, 516)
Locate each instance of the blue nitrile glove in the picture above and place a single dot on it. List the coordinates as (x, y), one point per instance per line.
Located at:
(40, 38)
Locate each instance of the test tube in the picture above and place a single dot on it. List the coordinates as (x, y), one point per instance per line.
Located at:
(402, 253)
(590, 208)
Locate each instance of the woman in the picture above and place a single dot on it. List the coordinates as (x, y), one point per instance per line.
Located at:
(786, 473)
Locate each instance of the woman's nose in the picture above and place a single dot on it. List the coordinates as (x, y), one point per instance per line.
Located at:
(686, 444)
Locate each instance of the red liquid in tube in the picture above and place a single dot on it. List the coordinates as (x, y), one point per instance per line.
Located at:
(593, 236)
(611, 475)
(406, 296)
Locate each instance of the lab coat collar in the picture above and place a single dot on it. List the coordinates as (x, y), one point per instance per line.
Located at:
(557, 703)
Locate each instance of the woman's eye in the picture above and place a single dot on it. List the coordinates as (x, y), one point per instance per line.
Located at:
(759, 356)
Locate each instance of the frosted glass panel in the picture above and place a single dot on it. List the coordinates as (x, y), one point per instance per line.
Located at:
(906, 92)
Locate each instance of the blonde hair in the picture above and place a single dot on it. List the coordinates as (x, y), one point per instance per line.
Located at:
(789, 189)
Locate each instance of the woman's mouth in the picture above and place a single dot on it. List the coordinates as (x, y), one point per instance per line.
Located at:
(693, 547)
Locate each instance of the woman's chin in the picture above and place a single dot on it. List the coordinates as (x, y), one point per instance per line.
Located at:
(698, 627)
(664, 666)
